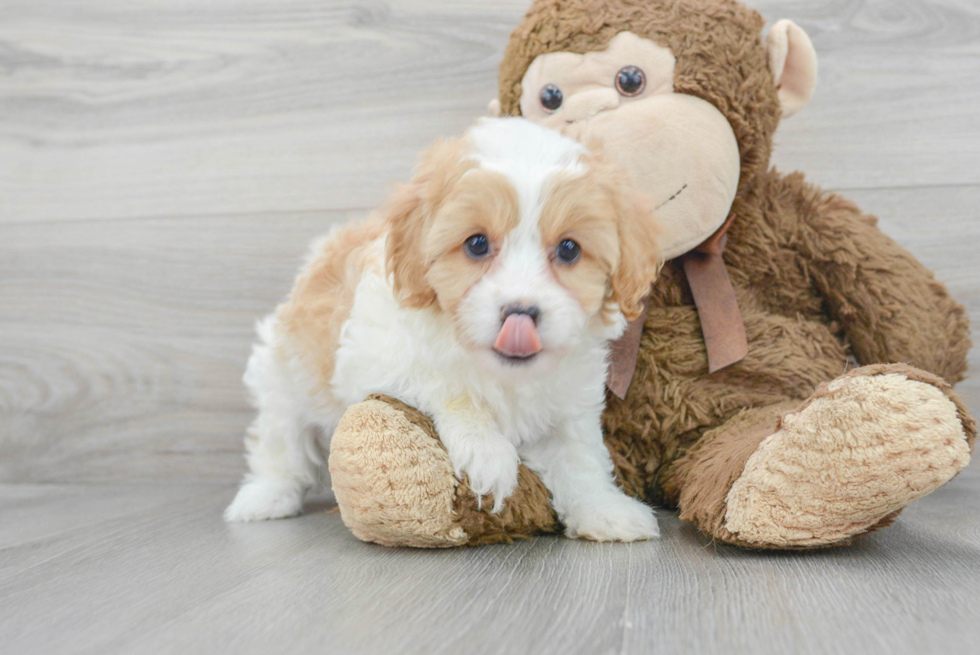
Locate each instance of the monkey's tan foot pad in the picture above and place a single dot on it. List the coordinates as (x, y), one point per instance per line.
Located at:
(395, 486)
(859, 450)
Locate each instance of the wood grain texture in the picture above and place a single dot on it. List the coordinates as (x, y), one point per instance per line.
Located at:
(151, 108)
(163, 166)
(160, 573)
(124, 342)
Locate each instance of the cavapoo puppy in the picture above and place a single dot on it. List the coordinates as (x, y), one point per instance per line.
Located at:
(486, 294)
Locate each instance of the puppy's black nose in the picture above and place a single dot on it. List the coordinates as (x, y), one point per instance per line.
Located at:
(531, 310)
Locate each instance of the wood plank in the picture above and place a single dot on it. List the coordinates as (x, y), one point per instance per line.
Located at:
(896, 76)
(157, 278)
(125, 342)
(137, 109)
(157, 109)
(38, 520)
(98, 405)
(174, 578)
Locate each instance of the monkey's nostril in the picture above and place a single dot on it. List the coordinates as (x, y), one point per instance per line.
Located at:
(531, 310)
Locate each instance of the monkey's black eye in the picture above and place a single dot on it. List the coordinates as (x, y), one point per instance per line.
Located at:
(551, 98)
(630, 81)
(477, 246)
(569, 251)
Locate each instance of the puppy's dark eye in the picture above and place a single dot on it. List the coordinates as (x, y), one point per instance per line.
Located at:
(551, 98)
(568, 251)
(630, 81)
(477, 246)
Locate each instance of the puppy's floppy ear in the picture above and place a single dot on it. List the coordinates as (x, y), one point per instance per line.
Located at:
(409, 215)
(640, 258)
(404, 260)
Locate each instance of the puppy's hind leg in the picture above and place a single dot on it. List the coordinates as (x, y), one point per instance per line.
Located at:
(281, 445)
(278, 476)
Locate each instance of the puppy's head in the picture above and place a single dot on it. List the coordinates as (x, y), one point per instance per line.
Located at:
(529, 241)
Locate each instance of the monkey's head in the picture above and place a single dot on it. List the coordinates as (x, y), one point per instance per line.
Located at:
(684, 93)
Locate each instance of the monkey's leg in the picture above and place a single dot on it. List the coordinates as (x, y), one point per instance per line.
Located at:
(842, 464)
(890, 306)
(395, 486)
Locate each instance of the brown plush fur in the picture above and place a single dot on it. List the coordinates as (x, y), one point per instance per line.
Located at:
(818, 285)
(816, 281)
(805, 311)
(702, 478)
(526, 513)
(704, 475)
(717, 43)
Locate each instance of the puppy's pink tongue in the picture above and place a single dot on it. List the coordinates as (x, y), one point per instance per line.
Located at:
(517, 337)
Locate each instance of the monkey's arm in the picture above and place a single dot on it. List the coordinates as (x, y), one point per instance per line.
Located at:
(890, 306)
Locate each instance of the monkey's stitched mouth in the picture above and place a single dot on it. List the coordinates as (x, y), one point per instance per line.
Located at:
(677, 193)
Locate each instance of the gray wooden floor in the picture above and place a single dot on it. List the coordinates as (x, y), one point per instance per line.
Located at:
(131, 569)
(162, 167)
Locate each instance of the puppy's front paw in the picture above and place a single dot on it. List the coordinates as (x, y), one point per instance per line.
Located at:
(491, 467)
(612, 518)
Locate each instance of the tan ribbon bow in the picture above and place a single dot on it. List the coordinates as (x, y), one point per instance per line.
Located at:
(721, 321)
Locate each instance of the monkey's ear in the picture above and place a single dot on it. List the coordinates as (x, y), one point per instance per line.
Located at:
(793, 63)
(493, 108)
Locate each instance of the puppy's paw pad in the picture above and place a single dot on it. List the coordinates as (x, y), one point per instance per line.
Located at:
(261, 500)
(618, 518)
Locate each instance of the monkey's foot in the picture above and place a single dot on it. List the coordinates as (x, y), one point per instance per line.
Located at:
(849, 459)
(395, 486)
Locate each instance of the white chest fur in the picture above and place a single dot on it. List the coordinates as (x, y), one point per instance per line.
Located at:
(413, 354)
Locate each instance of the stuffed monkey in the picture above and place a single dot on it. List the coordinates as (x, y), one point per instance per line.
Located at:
(790, 385)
